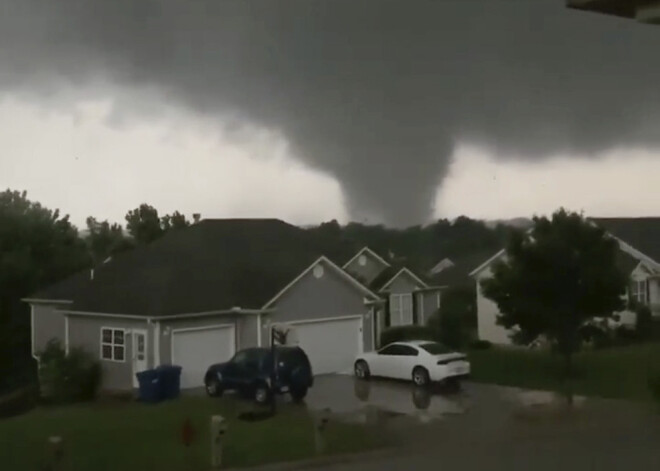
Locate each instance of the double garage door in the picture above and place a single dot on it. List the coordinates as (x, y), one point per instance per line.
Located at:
(331, 344)
(195, 349)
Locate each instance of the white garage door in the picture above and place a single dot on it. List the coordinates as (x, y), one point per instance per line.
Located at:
(196, 349)
(331, 345)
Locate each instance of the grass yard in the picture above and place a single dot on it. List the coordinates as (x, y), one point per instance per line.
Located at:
(135, 436)
(620, 372)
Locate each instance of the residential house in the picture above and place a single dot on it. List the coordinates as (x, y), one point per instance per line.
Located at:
(639, 243)
(455, 272)
(410, 298)
(197, 295)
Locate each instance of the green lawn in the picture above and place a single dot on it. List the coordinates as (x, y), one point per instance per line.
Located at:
(134, 436)
(620, 372)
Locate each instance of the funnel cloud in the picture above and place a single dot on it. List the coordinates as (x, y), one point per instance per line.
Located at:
(377, 93)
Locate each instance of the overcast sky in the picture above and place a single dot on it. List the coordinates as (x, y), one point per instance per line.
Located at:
(377, 111)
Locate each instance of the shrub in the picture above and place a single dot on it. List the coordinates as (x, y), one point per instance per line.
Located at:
(598, 335)
(408, 332)
(17, 367)
(450, 326)
(626, 336)
(480, 345)
(18, 401)
(68, 378)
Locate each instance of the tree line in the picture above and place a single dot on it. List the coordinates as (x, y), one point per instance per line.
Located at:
(40, 246)
(557, 276)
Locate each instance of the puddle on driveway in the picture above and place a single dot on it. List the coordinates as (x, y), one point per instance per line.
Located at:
(376, 401)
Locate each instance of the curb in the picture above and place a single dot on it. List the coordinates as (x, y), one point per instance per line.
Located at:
(321, 461)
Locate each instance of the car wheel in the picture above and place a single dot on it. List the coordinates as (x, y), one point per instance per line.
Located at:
(213, 387)
(362, 369)
(420, 376)
(421, 398)
(298, 394)
(262, 394)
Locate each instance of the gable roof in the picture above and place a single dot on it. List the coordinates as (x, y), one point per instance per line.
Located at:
(459, 272)
(443, 264)
(323, 259)
(642, 234)
(389, 274)
(406, 271)
(626, 262)
(215, 264)
(63, 290)
(368, 251)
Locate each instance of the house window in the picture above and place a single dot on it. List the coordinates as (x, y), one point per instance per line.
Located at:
(113, 344)
(638, 292)
(401, 309)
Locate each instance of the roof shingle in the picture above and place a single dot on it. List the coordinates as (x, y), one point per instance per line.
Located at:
(213, 265)
(642, 234)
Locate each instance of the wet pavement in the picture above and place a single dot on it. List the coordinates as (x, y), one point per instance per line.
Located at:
(352, 399)
(493, 427)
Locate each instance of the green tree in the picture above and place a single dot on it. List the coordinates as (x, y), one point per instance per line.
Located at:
(174, 221)
(37, 248)
(145, 225)
(105, 239)
(556, 277)
(456, 320)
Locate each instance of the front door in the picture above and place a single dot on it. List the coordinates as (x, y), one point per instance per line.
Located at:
(139, 353)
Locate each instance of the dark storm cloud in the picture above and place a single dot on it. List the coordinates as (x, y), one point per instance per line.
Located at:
(377, 92)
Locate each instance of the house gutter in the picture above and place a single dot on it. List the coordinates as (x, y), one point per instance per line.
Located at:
(234, 310)
(46, 301)
(375, 302)
(107, 315)
(174, 316)
(430, 288)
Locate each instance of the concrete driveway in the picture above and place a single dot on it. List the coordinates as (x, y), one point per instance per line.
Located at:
(494, 427)
(351, 398)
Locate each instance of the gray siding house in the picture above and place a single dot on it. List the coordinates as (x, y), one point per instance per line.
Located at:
(199, 294)
(408, 299)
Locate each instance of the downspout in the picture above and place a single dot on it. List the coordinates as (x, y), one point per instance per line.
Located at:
(66, 334)
(259, 330)
(32, 334)
(374, 324)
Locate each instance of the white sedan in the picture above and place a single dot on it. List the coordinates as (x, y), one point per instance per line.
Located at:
(423, 361)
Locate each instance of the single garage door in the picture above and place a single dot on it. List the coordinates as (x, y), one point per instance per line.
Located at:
(331, 345)
(196, 349)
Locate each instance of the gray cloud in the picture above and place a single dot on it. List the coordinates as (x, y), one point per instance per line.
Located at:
(376, 93)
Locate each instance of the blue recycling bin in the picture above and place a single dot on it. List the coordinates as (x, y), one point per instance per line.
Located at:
(170, 377)
(150, 386)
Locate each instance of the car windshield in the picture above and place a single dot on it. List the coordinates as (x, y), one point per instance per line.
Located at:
(435, 348)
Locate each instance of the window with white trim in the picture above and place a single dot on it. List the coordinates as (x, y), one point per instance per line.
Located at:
(638, 291)
(401, 309)
(113, 344)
